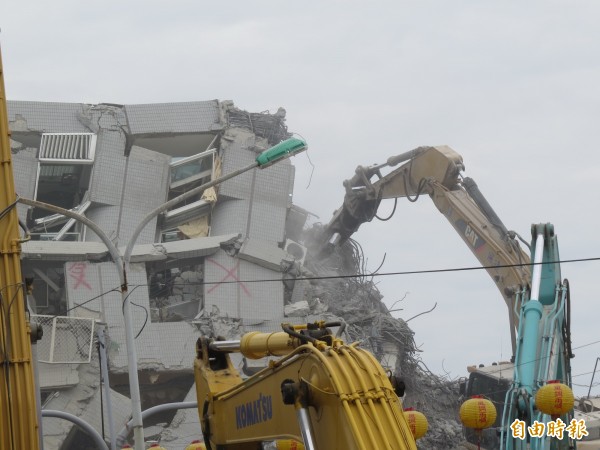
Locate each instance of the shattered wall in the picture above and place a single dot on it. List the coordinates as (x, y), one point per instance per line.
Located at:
(172, 288)
(254, 204)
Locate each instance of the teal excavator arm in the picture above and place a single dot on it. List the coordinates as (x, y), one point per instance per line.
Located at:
(543, 346)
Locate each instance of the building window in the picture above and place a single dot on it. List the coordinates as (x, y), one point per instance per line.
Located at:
(48, 294)
(175, 290)
(192, 171)
(63, 180)
(188, 173)
(62, 185)
(172, 235)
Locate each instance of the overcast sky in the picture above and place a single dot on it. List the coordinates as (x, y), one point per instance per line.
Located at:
(511, 86)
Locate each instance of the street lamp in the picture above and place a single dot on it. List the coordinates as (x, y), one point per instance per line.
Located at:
(275, 154)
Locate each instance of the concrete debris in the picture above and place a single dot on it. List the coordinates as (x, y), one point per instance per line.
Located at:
(185, 426)
(357, 300)
(215, 324)
(266, 125)
(317, 307)
(298, 309)
(82, 400)
(264, 254)
(65, 251)
(180, 249)
(174, 299)
(232, 246)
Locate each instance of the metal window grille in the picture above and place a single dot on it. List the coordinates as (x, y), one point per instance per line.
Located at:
(67, 340)
(74, 147)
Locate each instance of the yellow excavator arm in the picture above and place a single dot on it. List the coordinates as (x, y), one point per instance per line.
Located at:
(322, 392)
(436, 171)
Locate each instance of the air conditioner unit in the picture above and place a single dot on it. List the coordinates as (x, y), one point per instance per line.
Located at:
(295, 250)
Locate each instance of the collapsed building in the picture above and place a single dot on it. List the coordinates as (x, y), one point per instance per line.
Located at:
(223, 263)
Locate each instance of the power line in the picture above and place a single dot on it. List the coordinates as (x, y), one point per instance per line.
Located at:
(116, 289)
(585, 373)
(586, 345)
(384, 274)
(354, 276)
(500, 368)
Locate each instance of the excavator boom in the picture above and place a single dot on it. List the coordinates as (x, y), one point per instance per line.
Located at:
(436, 172)
(322, 392)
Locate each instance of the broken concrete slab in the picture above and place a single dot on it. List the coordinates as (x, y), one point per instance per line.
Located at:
(298, 309)
(64, 251)
(187, 248)
(263, 253)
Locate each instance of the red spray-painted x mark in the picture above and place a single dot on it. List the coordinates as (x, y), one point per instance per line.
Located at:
(77, 272)
(230, 274)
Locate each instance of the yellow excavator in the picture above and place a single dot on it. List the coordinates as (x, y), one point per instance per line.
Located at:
(18, 412)
(321, 392)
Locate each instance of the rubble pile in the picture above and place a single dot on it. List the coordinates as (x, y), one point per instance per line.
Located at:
(269, 126)
(339, 287)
